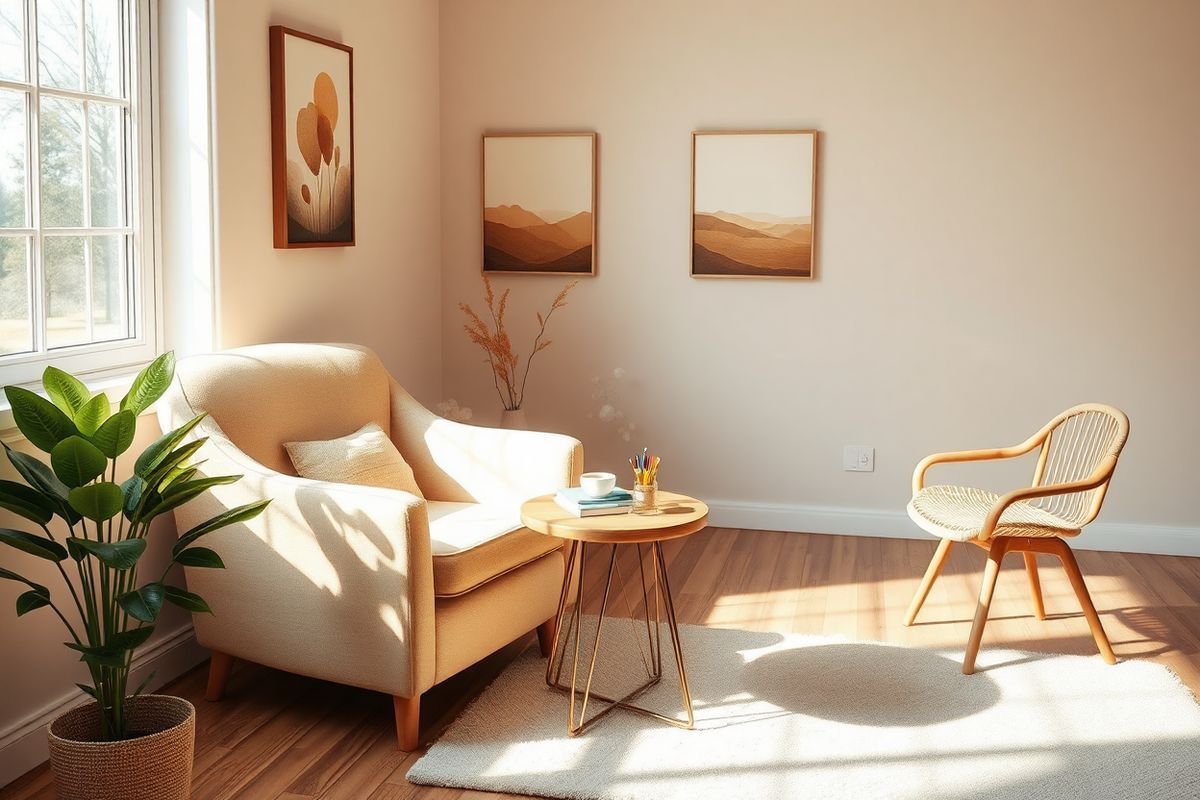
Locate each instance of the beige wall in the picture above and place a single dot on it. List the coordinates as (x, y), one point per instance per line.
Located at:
(1008, 200)
(382, 292)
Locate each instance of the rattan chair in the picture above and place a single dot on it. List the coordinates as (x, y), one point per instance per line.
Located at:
(1079, 451)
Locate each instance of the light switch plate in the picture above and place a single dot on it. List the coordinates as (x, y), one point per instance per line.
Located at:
(858, 458)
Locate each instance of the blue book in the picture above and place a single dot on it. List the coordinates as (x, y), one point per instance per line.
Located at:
(594, 509)
(576, 496)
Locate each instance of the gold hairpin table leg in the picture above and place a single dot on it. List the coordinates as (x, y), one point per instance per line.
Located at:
(577, 724)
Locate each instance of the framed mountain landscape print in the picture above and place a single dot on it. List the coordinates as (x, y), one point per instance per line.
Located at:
(753, 204)
(539, 203)
(312, 140)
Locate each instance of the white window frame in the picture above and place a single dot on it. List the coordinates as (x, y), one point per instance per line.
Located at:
(100, 360)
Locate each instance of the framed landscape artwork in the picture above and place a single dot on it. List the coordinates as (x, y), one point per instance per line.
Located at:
(312, 140)
(753, 204)
(539, 203)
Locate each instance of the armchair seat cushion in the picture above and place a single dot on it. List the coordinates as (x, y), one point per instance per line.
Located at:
(472, 543)
(958, 513)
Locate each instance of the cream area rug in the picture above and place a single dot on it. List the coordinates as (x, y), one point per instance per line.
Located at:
(789, 716)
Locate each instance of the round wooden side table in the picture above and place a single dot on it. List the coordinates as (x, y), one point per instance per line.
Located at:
(678, 515)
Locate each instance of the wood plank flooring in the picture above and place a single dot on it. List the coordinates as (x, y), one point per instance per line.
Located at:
(283, 736)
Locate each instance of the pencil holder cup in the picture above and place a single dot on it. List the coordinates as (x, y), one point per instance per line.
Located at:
(645, 498)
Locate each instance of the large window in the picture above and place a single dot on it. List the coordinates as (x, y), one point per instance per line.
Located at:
(76, 274)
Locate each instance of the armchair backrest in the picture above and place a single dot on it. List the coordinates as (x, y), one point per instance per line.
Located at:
(1077, 443)
(264, 395)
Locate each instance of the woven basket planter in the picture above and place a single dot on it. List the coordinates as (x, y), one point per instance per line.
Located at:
(156, 766)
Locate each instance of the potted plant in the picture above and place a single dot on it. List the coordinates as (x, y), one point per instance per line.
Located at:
(124, 744)
(503, 361)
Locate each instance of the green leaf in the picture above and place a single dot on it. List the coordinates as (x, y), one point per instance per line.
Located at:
(26, 602)
(143, 604)
(38, 546)
(172, 462)
(177, 475)
(97, 501)
(76, 461)
(132, 488)
(65, 390)
(8, 574)
(26, 502)
(116, 434)
(230, 517)
(40, 421)
(91, 416)
(186, 600)
(200, 557)
(37, 474)
(120, 555)
(150, 384)
(89, 690)
(130, 639)
(31, 600)
(102, 656)
(153, 455)
(180, 493)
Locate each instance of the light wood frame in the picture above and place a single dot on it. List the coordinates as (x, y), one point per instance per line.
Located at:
(483, 195)
(998, 546)
(816, 136)
(279, 122)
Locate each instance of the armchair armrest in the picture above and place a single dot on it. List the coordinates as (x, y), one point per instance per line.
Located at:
(989, 454)
(1098, 478)
(332, 580)
(469, 463)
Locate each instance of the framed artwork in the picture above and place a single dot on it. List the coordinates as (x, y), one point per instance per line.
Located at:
(754, 199)
(539, 203)
(312, 140)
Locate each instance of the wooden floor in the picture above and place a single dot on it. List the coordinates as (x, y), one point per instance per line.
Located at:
(282, 736)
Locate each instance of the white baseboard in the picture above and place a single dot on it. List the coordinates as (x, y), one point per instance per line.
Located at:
(1109, 536)
(23, 743)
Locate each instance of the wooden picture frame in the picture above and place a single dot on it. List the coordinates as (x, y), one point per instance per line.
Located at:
(312, 140)
(775, 171)
(538, 203)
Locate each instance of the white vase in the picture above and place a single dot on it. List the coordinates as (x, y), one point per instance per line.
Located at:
(514, 420)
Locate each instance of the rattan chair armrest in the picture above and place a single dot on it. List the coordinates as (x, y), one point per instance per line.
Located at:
(990, 454)
(1097, 478)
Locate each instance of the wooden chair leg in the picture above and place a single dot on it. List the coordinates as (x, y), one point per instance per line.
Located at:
(545, 634)
(219, 668)
(990, 573)
(408, 722)
(1085, 600)
(931, 575)
(1035, 585)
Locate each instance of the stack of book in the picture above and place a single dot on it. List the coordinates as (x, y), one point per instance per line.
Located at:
(574, 500)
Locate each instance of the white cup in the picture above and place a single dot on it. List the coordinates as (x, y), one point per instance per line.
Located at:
(597, 484)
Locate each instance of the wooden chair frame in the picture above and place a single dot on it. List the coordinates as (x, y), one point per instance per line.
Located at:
(998, 546)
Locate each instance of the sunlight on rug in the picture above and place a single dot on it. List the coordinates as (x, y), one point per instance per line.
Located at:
(789, 716)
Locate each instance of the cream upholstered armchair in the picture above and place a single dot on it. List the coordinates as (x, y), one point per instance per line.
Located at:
(1078, 453)
(365, 586)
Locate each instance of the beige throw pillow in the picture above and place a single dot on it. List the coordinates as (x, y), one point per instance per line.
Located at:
(366, 457)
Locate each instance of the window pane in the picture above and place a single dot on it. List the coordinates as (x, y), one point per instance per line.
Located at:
(12, 160)
(66, 290)
(12, 40)
(106, 134)
(103, 43)
(16, 334)
(59, 26)
(109, 295)
(62, 162)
